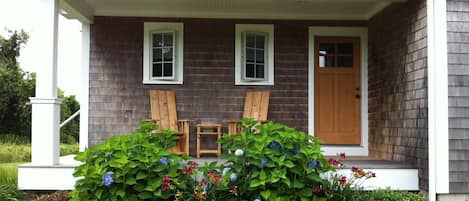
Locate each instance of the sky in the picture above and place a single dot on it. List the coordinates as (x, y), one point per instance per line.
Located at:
(69, 46)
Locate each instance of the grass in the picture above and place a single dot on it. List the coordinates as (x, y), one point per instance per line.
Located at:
(10, 153)
(8, 183)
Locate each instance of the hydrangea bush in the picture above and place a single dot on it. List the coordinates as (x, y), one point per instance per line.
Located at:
(274, 162)
(131, 167)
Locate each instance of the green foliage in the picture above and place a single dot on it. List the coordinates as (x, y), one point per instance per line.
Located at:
(133, 167)
(10, 152)
(389, 195)
(8, 183)
(69, 134)
(16, 87)
(14, 139)
(277, 163)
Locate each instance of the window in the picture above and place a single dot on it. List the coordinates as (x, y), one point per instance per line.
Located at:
(163, 53)
(254, 63)
(336, 54)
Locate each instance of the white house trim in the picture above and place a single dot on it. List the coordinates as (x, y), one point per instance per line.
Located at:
(85, 84)
(361, 32)
(79, 10)
(438, 153)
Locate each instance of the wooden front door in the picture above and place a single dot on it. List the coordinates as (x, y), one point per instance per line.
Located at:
(337, 90)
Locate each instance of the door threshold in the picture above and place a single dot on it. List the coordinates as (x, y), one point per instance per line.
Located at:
(332, 150)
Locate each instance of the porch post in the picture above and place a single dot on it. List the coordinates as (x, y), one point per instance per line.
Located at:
(84, 99)
(45, 105)
(438, 153)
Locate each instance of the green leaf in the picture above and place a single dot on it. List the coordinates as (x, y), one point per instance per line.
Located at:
(256, 183)
(298, 184)
(130, 181)
(263, 176)
(266, 194)
(145, 195)
(98, 193)
(141, 175)
(121, 193)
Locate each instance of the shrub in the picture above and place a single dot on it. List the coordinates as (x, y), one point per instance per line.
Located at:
(134, 167)
(9, 192)
(275, 162)
(389, 195)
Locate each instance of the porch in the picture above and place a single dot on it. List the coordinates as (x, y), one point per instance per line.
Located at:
(391, 107)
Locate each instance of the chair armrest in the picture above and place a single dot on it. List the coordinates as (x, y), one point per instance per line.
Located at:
(232, 121)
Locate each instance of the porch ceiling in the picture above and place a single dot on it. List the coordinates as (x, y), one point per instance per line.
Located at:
(253, 9)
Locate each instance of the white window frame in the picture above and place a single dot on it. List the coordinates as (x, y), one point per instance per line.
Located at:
(240, 65)
(178, 52)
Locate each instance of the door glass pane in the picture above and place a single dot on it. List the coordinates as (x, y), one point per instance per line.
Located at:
(250, 40)
(326, 61)
(260, 56)
(345, 48)
(168, 39)
(260, 71)
(260, 41)
(327, 48)
(157, 55)
(157, 40)
(345, 61)
(168, 54)
(157, 70)
(249, 70)
(168, 69)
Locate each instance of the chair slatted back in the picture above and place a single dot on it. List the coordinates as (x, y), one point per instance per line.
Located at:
(256, 105)
(163, 109)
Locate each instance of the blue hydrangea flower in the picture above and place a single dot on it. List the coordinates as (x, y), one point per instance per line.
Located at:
(206, 187)
(107, 179)
(233, 177)
(164, 160)
(181, 163)
(295, 151)
(107, 154)
(264, 161)
(314, 164)
(275, 144)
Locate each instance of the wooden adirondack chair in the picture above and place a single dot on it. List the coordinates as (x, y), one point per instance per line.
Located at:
(256, 106)
(163, 113)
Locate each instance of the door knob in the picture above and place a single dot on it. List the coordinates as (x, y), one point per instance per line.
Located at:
(357, 96)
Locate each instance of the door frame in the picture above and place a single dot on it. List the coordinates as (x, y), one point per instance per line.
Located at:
(362, 33)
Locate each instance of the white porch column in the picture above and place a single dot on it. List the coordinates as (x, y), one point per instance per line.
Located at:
(46, 106)
(85, 81)
(438, 152)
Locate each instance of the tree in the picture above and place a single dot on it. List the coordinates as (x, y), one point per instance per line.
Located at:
(70, 132)
(16, 86)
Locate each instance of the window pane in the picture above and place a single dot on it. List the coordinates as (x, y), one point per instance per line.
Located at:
(168, 54)
(250, 39)
(345, 61)
(157, 70)
(260, 41)
(345, 48)
(326, 61)
(168, 69)
(327, 48)
(168, 39)
(157, 40)
(249, 70)
(249, 55)
(157, 55)
(259, 71)
(260, 56)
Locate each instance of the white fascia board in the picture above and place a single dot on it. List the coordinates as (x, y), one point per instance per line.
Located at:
(77, 9)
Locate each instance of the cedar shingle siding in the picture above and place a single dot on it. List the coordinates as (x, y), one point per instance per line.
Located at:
(119, 100)
(397, 85)
(458, 92)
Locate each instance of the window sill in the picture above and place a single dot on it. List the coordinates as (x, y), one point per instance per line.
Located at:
(264, 83)
(162, 82)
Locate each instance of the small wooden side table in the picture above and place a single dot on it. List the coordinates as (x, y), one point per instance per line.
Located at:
(206, 130)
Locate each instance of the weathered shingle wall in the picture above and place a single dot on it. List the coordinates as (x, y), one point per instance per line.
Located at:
(119, 100)
(398, 85)
(458, 92)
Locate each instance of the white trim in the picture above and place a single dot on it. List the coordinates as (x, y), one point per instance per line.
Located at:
(85, 84)
(178, 51)
(394, 178)
(53, 101)
(270, 66)
(79, 10)
(438, 153)
(361, 32)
